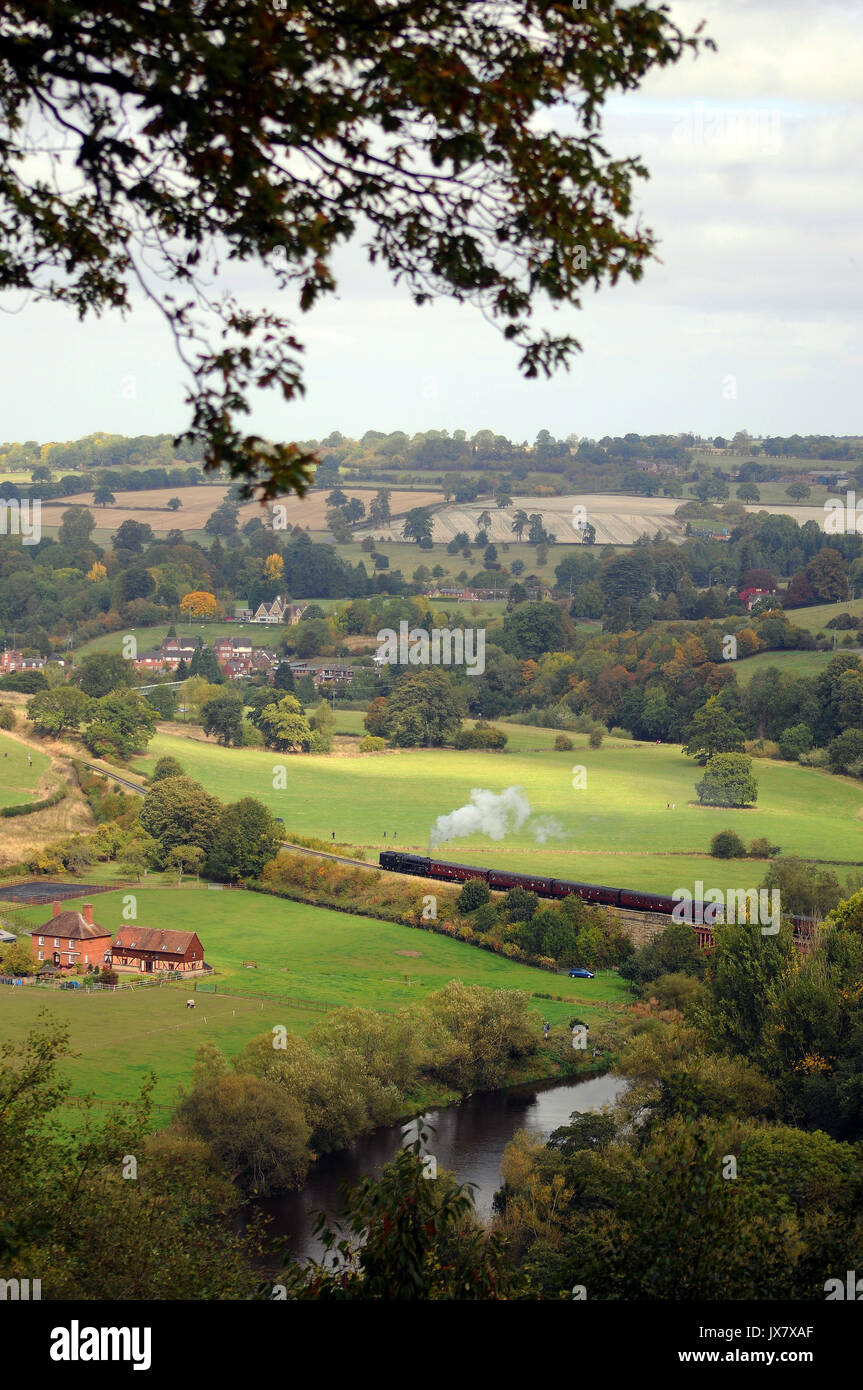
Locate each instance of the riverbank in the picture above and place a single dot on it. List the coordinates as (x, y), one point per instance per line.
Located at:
(466, 1138)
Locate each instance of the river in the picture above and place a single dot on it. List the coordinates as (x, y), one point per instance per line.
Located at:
(468, 1139)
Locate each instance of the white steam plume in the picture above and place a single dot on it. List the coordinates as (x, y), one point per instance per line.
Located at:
(496, 814)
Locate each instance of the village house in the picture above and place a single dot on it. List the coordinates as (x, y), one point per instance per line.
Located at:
(71, 938)
(279, 611)
(14, 660)
(150, 949)
(237, 658)
(151, 660)
(324, 670)
(749, 597)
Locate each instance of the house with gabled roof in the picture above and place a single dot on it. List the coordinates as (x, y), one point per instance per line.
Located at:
(151, 949)
(70, 939)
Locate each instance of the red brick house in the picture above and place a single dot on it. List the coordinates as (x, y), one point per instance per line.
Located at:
(72, 938)
(149, 949)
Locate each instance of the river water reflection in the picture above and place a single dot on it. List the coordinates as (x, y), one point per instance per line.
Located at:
(469, 1140)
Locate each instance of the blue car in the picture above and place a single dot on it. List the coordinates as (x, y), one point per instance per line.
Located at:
(578, 974)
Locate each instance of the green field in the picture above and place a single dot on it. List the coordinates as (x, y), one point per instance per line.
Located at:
(17, 779)
(614, 830)
(815, 619)
(262, 634)
(797, 663)
(300, 951)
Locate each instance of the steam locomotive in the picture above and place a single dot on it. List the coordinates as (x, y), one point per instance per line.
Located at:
(500, 879)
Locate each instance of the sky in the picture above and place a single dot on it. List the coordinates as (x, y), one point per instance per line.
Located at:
(751, 319)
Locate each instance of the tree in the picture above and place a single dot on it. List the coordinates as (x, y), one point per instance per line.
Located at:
(185, 858)
(376, 720)
(283, 725)
(827, 572)
(474, 894)
(76, 525)
(163, 700)
(123, 1242)
(101, 672)
(17, 958)
(798, 490)
(132, 536)
(748, 492)
(167, 766)
(418, 525)
(845, 752)
(795, 740)
(274, 568)
(799, 592)
(245, 839)
(807, 889)
(103, 496)
(379, 508)
(532, 629)
(199, 604)
(423, 710)
(121, 724)
(178, 811)
(52, 711)
(296, 181)
(519, 522)
(284, 677)
(728, 781)
(223, 716)
(727, 844)
(174, 504)
(254, 1127)
(96, 573)
(712, 731)
(400, 1237)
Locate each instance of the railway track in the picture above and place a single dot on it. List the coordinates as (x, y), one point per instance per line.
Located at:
(803, 928)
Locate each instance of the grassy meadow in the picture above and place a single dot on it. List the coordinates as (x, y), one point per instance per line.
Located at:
(18, 781)
(300, 951)
(796, 663)
(616, 829)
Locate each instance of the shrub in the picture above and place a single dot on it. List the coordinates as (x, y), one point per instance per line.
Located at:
(32, 806)
(474, 894)
(817, 758)
(795, 740)
(7, 717)
(596, 737)
(482, 735)
(563, 744)
(727, 845)
(846, 751)
(167, 767)
(762, 848)
(369, 743)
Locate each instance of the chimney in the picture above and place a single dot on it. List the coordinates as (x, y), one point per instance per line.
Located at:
(87, 913)
(55, 908)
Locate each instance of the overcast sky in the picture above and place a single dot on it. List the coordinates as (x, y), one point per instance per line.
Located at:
(752, 320)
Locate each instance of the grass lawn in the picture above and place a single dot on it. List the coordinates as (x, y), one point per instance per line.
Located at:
(17, 779)
(261, 634)
(407, 557)
(300, 951)
(815, 619)
(615, 830)
(798, 663)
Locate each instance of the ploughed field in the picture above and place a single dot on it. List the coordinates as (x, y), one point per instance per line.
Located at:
(150, 506)
(616, 829)
(300, 952)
